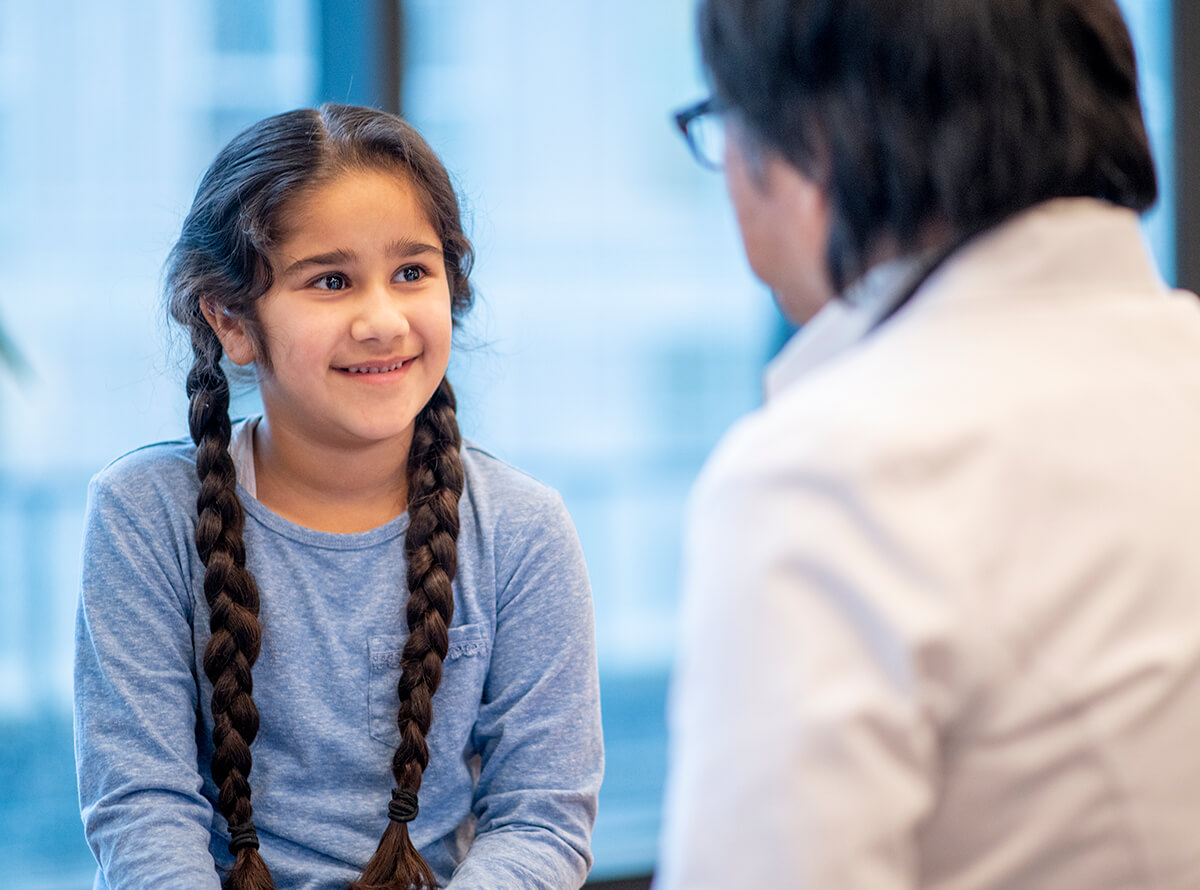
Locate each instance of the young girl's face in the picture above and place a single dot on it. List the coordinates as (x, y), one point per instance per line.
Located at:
(357, 325)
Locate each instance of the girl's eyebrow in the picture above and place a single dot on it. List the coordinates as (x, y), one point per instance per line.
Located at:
(406, 247)
(332, 258)
(403, 247)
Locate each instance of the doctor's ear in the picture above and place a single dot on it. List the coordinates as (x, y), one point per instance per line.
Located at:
(231, 331)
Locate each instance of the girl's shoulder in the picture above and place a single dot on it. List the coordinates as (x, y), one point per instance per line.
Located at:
(159, 472)
(500, 494)
(524, 523)
(141, 511)
(167, 468)
(172, 455)
(485, 470)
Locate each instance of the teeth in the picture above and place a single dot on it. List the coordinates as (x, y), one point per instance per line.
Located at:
(394, 367)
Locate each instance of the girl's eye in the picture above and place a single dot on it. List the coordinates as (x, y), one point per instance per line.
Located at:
(332, 281)
(412, 273)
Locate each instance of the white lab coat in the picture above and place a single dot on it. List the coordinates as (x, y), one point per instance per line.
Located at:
(941, 618)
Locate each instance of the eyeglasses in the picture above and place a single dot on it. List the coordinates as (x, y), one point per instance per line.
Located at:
(703, 127)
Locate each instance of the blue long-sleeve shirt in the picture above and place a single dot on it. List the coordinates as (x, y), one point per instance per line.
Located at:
(509, 797)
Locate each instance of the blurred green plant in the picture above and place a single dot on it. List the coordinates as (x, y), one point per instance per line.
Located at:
(10, 357)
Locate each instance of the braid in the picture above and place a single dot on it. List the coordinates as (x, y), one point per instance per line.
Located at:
(435, 483)
(233, 604)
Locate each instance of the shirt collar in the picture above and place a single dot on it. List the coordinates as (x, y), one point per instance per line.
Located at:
(1067, 245)
(841, 323)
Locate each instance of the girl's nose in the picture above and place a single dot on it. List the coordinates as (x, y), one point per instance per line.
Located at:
(379, 315)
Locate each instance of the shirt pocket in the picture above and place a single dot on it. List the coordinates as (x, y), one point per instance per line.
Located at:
(463, 672)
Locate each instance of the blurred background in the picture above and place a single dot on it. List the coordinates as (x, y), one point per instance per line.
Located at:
(617, 330)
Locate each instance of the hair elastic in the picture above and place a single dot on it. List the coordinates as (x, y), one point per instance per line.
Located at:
(241, 836)
(403, 807)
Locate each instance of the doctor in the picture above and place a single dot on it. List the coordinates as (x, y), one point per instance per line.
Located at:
(941, 621)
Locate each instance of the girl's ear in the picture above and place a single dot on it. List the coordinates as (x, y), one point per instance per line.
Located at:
(231, 331)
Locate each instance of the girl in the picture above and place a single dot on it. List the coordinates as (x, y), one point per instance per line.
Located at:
(339, 607)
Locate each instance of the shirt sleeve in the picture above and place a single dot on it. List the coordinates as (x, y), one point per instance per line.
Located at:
(136, 698)
(803, 750)
(538, 729)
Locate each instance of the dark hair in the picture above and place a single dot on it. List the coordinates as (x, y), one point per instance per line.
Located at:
(913, 114)
(222, 257)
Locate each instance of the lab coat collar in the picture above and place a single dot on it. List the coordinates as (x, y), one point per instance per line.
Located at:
(840, 323)
(1068, 244)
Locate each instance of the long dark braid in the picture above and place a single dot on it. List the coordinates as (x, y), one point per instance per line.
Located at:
(232, 596)
(435, 483)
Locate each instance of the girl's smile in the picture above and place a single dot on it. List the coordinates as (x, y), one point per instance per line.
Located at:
(377, 368)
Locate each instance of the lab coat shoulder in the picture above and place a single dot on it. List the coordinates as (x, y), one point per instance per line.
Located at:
(814, 597)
